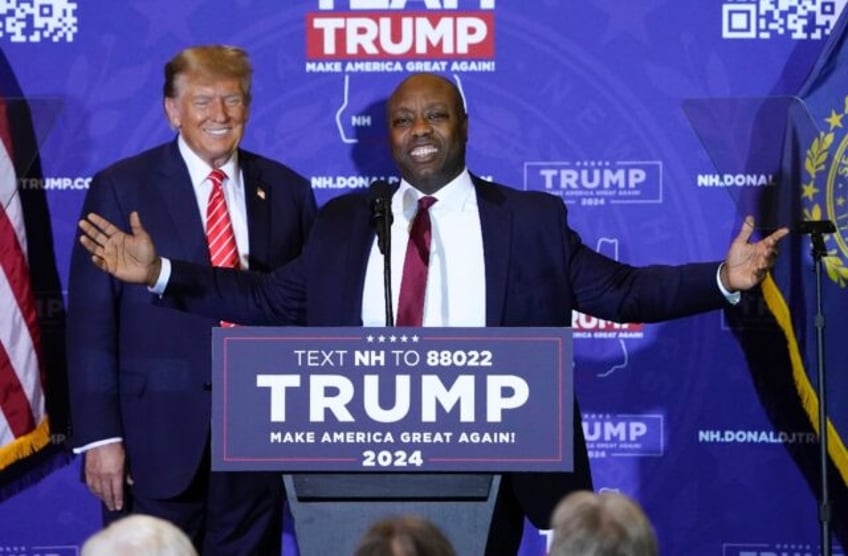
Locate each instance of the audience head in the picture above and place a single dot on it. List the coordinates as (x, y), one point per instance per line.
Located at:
(139, 535)
(404, 536)
(606, 524)
(207, 98)
(428, 130)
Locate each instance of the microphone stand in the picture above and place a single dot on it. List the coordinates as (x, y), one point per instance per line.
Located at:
(383, 217)
(816, 229)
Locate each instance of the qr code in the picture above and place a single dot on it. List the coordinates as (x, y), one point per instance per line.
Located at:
(764, 19)
(38, 20)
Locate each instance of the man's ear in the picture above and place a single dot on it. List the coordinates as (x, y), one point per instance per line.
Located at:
(172, 112)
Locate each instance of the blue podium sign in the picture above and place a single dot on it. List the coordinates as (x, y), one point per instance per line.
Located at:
(403, 399)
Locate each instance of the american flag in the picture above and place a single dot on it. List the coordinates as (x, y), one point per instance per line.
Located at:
(24, 427)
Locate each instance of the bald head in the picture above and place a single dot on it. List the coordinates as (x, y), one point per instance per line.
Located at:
(428, 130)
(418, 81)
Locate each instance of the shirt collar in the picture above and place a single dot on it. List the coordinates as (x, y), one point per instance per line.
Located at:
(454, 196)
(198, 169)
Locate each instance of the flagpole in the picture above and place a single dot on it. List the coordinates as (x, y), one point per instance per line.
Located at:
(816, 229)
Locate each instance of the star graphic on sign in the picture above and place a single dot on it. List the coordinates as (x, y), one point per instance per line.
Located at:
(381, 338)
(166, 17)
(392, 338)
(404, 338)
(369, 338)
(627, 18)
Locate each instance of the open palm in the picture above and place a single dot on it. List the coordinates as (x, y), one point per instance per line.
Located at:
(131, 258)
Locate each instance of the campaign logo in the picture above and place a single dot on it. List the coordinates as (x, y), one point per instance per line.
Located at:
(384, 36)
(637, 435)
(773, 549)
(586, 326)
(597, 182)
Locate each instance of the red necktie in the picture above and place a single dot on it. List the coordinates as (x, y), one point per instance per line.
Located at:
(219, 230)
(414, 281)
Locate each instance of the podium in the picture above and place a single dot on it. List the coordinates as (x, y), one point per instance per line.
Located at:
(331, 511)
(367, 424)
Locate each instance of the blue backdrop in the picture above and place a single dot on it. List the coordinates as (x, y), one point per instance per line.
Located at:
(608, 103)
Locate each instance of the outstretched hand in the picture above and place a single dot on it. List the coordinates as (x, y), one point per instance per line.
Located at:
(748, 263)
(131, 258)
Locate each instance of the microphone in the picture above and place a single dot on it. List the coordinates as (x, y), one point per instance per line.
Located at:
(816, 229)
(380, 201)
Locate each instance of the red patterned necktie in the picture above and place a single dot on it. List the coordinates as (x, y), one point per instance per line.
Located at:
(414, 281)
(219, 230)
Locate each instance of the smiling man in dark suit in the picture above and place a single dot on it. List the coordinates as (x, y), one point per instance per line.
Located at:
(498, 257)
(140, 375)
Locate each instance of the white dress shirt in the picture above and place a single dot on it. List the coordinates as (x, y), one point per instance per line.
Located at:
(233, 186)
(456, 277)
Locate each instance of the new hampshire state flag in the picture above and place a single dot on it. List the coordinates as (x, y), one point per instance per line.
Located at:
(783, 359)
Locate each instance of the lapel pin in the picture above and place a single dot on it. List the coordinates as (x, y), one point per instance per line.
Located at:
(260, 193)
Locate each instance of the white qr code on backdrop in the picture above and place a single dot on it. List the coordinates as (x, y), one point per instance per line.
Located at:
(765, 19)
(38, 20)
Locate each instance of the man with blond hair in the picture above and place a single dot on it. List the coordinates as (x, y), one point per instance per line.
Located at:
(140, 374)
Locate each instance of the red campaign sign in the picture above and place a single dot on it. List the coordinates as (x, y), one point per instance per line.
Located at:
(386, 35)
(403, 399)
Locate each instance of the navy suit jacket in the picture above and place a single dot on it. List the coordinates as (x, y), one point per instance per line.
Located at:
(139, 371)
(537, 272)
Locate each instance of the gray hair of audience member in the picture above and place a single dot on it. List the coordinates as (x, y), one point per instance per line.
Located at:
(215, 61)
(407, 535)
(605, 524)
(139, 535)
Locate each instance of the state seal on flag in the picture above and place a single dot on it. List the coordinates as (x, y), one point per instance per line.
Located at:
(825, 195)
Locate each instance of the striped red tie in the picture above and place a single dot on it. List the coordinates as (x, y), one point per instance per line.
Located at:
(219, 230)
